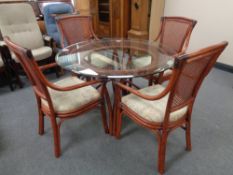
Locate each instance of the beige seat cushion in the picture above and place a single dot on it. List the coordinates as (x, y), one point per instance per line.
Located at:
(18, 21)
(42, 53)
(65, 101)
(153, 111)
(39, 54)
(141, 62)
(100, 60)
(167, 72)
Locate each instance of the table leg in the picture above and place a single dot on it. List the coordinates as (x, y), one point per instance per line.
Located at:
(112, 108)
(117, 97)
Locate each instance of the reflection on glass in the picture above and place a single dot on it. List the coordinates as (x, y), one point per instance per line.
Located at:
(99, 60)
(114, 58)
(142, 61)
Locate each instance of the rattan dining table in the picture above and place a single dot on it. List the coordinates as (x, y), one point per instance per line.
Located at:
(112, 60)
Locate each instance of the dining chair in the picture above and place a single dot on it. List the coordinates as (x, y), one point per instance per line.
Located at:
(67, 98)
(18, 22)
(173, 38)
(75, 29)
(163, 109)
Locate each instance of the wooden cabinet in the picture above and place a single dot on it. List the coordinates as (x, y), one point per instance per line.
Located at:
(145, 18)
(139, 19)
(157, 11)
(110, 17)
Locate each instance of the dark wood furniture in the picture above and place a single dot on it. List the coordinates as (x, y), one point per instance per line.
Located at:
(8, 69)
(47, 95)
(171, 106)
(111, 18)
(175, 33)
(75, 29)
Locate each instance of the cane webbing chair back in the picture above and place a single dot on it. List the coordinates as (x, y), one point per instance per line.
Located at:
(191, 69)
(74, 29)
(175, 33)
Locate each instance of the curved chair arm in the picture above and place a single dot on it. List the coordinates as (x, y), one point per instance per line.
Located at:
(69, 88)
(158, 36)
(149, 97)
(48, 66)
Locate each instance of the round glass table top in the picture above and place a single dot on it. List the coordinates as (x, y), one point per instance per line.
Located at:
(115, 58)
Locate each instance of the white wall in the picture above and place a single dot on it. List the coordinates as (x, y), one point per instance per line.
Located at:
(215, 22)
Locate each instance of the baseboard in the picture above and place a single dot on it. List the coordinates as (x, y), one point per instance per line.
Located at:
(224, 67)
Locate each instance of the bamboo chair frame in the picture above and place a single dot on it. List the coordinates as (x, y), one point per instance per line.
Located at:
(181, 45)
(40, 85)
(163, 129)
(80, 31)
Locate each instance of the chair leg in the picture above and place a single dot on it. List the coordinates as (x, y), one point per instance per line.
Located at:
(18, 80)
(118, 124)
(110, 110)
(104, 119)
(41, 122)
(56, 137)
(41, 116)
(15, 71)
(8, 80)
(162, 152)
(188, 136)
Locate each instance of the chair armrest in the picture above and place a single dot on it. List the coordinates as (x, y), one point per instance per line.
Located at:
(131, 84)
(48, 66)
(144, 96)
(160, 32)
(48, 41)
(73, 87)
